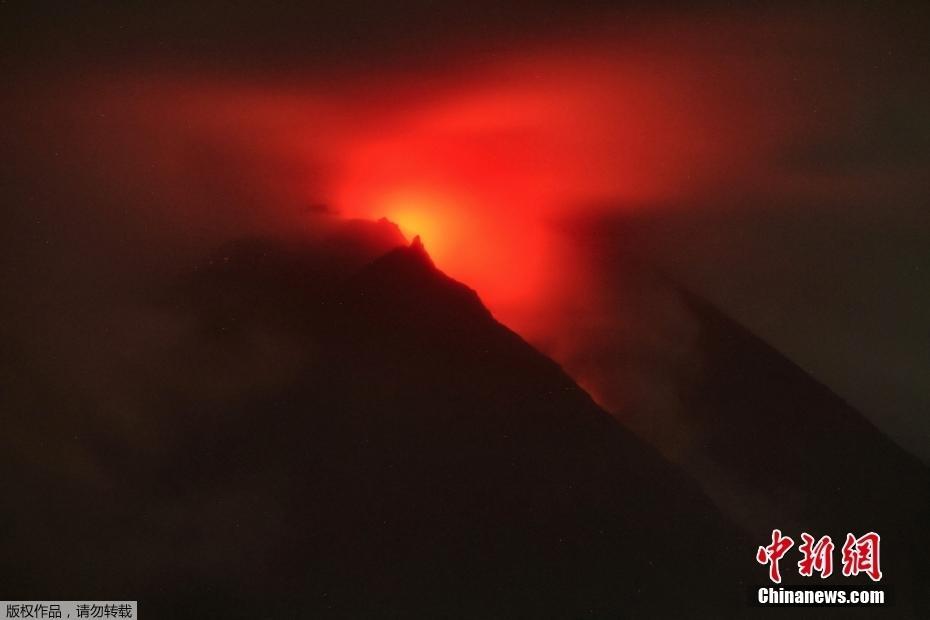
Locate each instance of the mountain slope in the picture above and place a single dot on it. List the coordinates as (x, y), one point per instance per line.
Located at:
(768, 443)
(818, 463)
(371, 447)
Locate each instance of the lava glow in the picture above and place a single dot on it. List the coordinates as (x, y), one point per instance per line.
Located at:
(485, 163)
(488, 168)
(481, 171)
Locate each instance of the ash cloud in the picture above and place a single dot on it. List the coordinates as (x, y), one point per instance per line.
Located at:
(137, 147)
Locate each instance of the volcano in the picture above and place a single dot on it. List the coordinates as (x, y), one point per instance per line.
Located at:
(375, 444)
(421, 460)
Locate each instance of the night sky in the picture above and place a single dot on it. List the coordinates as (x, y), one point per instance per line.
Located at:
(772, 158)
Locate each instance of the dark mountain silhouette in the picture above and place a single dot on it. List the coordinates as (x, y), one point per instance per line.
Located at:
(807, 460)
(386, 449)
(773, 447)
(302, 443)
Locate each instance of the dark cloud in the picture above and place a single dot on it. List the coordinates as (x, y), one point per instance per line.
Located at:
(837, 287)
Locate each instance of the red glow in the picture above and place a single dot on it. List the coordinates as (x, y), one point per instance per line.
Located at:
(483, 165)
(480, 171)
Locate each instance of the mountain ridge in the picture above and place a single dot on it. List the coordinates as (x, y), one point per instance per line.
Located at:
(376, 445)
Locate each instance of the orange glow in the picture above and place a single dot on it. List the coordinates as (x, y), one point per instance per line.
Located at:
(416, 216)
(421, 214)
(501, 258)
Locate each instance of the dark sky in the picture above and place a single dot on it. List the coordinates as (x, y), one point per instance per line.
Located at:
(789, 187)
